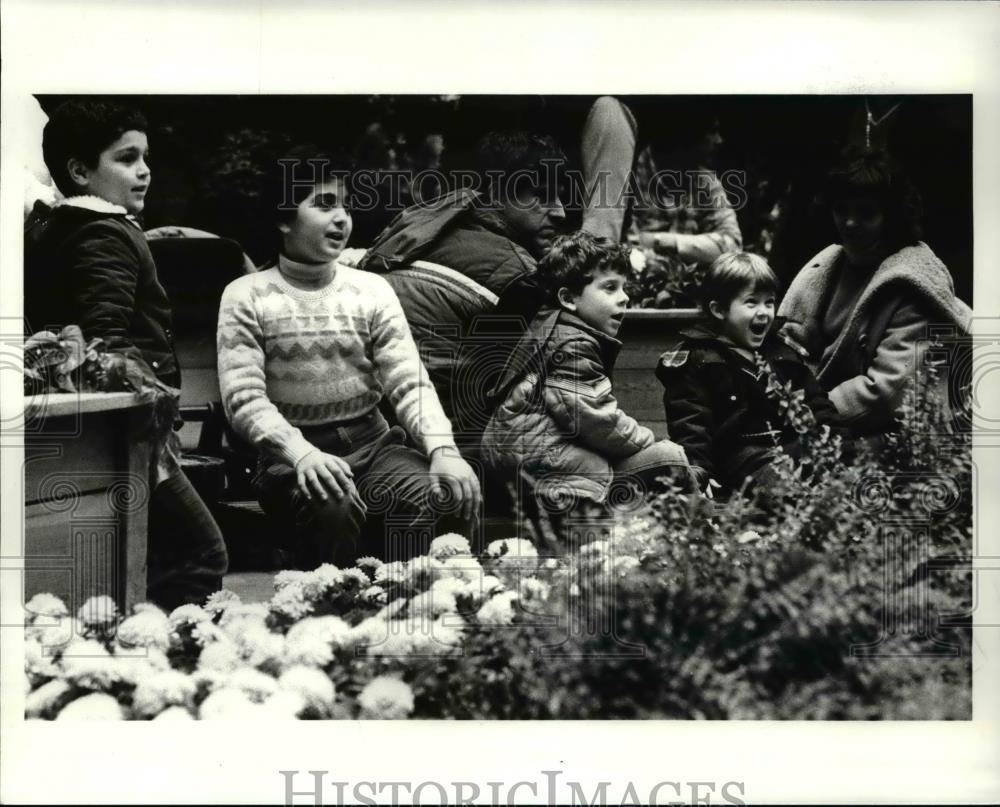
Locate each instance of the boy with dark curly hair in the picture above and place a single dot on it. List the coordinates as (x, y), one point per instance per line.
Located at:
(558, 420)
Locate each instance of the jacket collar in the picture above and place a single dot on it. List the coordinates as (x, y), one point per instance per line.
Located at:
(535, 340)
(95, 204)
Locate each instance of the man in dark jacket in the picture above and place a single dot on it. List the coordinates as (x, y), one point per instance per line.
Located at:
(463, 268)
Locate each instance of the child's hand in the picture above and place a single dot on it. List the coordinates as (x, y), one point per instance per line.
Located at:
(448, 469)
(323, 475)
(710, 488)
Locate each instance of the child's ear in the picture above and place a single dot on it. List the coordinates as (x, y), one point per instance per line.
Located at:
(566, 299)
(78, 172)
(716, 310)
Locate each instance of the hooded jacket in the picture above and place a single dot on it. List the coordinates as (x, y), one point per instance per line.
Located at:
(866, 368)
(718, 409)
(558, 417)
(468, 291)
(87, 263)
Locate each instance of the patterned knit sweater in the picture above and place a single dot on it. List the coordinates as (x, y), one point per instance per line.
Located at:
(290, 357)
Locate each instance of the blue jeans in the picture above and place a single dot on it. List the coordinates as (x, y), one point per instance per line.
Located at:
(187, 554)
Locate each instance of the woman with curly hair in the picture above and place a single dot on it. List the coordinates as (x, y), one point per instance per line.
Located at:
(864, 309)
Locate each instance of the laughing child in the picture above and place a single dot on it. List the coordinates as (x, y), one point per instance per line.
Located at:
(715, 395)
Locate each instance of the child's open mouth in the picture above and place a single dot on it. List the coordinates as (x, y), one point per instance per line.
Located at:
(759, 328)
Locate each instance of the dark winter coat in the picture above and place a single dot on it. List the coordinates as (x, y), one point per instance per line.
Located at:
(468, 291)
(558, 416)
(87, 263)
(718, 410)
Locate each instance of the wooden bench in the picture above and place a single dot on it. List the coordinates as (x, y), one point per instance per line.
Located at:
(86, 491)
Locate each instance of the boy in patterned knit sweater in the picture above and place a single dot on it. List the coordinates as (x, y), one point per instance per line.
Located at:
(308, 349)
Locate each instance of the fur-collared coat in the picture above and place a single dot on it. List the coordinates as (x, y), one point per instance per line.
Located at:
(866, 368)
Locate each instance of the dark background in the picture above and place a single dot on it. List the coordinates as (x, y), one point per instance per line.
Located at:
(208, 154)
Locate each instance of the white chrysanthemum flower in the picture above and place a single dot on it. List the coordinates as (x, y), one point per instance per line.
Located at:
(375, 595)
(135, 666)
(445, 546)
(284, 705)
(87, 664)
(449, 586)
(96, 706)
(189, 615)
(393, 609)
(386, 698)
(312, 685)
(241, 614)
(256, 685)
(54, 637)
(498, 610)
(223, 657)
(174, 713)
(355, 578)
(432, 637)
(36, 663)
(328, 575)
(512, 548)
(369, 565)
(98, 611)
(391, 573)
(145, 629)
(288, 576)
(468, 569)
(490, 585)
(259, 647)
(534, 590)
(422, 571)
(228, 703)
(220, 601)
(291, 602)
(44, 605)
(163, 689)
(748, 537)
(433, 603)
(43, 700)
(312, 641)
(206, 633)
(368, 632)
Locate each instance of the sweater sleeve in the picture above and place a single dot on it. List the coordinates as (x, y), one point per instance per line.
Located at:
(242, 380)
(872, 397)
(404, 377)
(720, 229)
(103, 273)
(578, 396)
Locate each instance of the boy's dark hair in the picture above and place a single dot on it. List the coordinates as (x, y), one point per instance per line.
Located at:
(732, 272)
(519, 156)
(574, 259)
(82, 129)
(869, 173)
(294, 175)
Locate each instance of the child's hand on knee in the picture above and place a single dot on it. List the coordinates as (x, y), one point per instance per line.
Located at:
(323, 475)
(448, 469)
